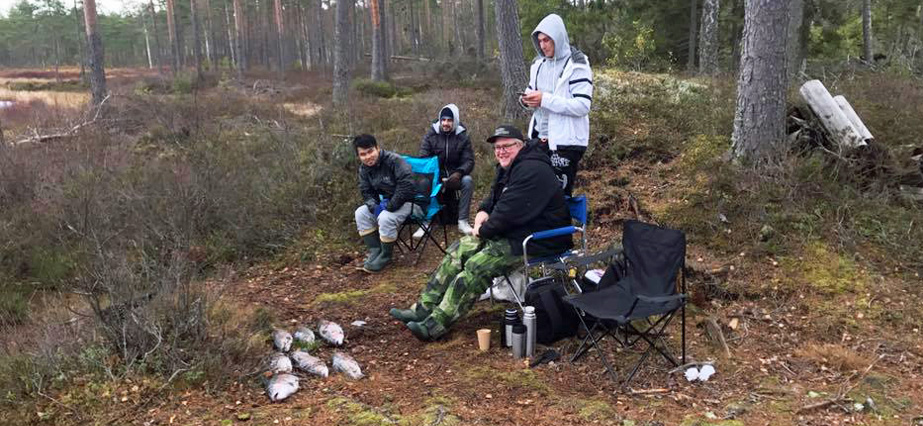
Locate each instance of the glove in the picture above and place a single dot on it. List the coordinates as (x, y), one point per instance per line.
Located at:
(371, 205)
(382, 206)
(453, 183)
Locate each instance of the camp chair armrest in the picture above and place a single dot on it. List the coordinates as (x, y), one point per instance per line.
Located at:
(567, 230)
(660, 299)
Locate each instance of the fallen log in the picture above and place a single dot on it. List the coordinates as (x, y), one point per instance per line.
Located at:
(831, 116)
(853, 118)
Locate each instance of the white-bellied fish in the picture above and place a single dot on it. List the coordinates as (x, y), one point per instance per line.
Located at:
(310, 364)
(331, 332)
(304, 335)
(281, 386)
(347, 365)
(282, 340)
(279, 363)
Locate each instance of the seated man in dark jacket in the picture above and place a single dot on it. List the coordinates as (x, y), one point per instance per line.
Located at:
(525, 198)
(448, 140)
(386, 184)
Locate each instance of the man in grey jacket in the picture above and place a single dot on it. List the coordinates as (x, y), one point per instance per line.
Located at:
(386, 184)
(561, 92)
(447, 139)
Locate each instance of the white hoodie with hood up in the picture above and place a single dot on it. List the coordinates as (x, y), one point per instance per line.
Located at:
(566, 81)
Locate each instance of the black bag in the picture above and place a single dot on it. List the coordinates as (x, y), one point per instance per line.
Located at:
(554, 319)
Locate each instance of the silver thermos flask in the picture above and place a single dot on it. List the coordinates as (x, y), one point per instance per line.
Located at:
(528, 318)
(510, 318)
(519, 341)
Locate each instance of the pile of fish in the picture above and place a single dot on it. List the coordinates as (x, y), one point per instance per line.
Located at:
(281, 383)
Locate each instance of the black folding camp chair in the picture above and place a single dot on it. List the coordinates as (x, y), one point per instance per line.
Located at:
(644, 299)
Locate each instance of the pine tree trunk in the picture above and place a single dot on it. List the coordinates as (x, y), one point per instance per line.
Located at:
(795, 42)
(96, 57)
(708, 42)
(512, 63)
(459, 48)
(414, 30)
(341, 55)
(693, 27)
(171, 30)
(147, 44)
(867, 30)
(196, 39)
(759, 123)
(280, 31)
(238, 40)
(378, 62)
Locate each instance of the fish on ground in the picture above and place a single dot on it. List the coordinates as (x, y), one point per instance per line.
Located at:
(282, 340)
(304, 335)
(281, 386)
(310, 364)
(331, 332)
(279, 363)
(345, 364)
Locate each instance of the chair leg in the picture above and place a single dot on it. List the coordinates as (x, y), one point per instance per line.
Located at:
(594, 342)
(658, 327)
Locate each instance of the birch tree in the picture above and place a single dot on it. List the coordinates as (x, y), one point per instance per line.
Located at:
(708, 41)
(867, 30)
(174, 42)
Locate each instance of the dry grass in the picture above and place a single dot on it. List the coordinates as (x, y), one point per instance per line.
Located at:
(835, 357)
(73, 100)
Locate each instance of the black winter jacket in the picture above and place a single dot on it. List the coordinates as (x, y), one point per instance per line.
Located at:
(524, 199)
(453, 149)
(391, 178)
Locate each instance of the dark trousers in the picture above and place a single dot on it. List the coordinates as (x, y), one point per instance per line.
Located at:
(565, 160)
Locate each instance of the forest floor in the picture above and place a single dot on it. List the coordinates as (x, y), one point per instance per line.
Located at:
(784, 365)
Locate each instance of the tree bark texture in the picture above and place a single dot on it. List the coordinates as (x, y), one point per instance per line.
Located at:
(238, 40)
(867, 30)
(230, 30)
(171, 30)
(512, 63)
(96, 57)
(795, 41)
(693, 35)
(759, 122)
(156, 37)
(708, 42)
(481, 37)
(379, 72)
(212, 36)
(196, 38)
(341, 55)
(280, 32)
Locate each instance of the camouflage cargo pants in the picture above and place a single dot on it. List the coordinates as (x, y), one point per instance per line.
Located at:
(464, 274)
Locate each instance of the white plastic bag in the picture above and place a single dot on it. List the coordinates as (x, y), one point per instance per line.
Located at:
(502, 289)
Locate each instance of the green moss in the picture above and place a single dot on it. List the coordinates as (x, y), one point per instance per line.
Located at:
(699, 421)
(595, 410)
(358, 414)
(354, 296)
(702, 151)
(522, 378)
(822, 269)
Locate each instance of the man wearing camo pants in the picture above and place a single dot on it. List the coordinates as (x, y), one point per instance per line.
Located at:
(525, 198)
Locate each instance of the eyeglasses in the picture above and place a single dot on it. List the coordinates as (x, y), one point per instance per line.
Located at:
(505, 148)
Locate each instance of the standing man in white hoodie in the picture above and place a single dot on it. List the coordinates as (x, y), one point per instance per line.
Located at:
(561, 92)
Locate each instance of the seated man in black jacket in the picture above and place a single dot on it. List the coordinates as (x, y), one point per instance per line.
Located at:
(386, 184)
(525, 198)
(447, 139)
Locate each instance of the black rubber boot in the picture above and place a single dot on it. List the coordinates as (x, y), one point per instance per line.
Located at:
(383, 258)
(415, 313)
(373, 242)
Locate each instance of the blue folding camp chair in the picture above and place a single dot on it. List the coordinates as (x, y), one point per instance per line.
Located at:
(427, 183)
(577, 206)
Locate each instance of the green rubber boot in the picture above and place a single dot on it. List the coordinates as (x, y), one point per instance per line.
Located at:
(382, 260)
(427, 330)
(415, 313)
(373, 242)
